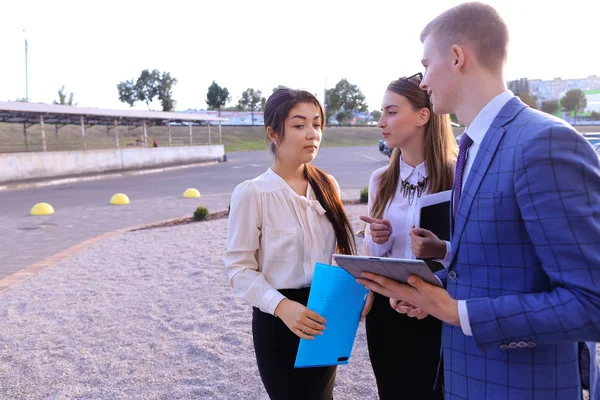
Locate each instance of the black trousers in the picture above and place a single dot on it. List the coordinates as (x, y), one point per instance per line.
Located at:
(276, 347)
(405, 353)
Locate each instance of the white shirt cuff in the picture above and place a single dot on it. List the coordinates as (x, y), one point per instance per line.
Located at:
(271, 301)
(446, 260)
(463, 315)
(380, 250)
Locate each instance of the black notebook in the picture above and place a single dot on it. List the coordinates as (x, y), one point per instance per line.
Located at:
(434, 215)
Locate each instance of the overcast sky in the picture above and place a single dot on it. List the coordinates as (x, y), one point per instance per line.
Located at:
(91, 46)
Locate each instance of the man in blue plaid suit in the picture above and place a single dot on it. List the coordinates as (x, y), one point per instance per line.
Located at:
(523, 287)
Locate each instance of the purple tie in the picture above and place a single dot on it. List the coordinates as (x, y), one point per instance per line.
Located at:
(463, 147)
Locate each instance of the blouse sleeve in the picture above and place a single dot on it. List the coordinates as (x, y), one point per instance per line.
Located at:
(241, 255)
(370, 247)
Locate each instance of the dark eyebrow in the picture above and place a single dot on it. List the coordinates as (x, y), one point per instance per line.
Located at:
(304, 118)
(390, 106)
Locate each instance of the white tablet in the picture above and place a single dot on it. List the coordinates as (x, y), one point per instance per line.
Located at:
(394, 268)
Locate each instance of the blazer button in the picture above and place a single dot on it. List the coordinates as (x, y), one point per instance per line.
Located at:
(522, 344)
(530, 344)
(513, 345)
(504, 347)
(452, 275)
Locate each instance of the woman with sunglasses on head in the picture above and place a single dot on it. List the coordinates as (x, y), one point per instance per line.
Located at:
(404, 351)
(281, 224)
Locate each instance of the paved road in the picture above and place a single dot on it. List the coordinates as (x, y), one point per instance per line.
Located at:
(82, 209)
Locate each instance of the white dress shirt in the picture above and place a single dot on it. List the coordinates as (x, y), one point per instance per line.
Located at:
(401, 214)
(275, 237)
(476, 131)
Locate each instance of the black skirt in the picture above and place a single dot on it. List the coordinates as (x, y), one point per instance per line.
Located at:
(276, 347)
(404, 352)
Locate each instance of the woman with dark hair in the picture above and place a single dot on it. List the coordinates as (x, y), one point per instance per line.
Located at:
(404, 351)
(281, 223)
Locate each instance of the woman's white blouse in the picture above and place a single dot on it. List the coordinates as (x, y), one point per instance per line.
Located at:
(400, 213)
(275, 237)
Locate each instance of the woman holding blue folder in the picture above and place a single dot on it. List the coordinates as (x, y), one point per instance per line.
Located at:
(405, 352)
(281, 224)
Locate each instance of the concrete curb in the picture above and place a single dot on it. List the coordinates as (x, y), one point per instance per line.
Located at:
(22, 275)
(76, 179)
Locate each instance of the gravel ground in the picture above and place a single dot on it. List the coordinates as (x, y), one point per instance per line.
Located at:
(143, 315)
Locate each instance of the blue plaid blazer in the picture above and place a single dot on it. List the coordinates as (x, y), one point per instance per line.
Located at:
(526, 258)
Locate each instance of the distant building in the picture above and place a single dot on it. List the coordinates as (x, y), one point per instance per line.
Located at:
(245, 117)
(556, 88)
(235, 117)
(593, 100)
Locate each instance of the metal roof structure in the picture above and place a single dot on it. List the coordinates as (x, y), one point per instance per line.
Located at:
(59, 115)
(21, 112)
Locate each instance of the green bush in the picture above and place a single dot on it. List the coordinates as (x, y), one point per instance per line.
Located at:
(200, 214)
(364, 195)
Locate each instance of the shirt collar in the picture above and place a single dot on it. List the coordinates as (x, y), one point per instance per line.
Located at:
(483, 121)
(310, 194)
(406, 170)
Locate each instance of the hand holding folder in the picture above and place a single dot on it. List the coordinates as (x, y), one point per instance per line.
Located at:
(433, 214)
(337, 297)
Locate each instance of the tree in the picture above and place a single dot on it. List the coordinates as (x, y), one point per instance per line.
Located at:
(528, 99)
(574, 101)
(595, 115)
(550, 107)
(344, 97)
(217, 97)
(263, 103)
(250, 100)
(62, 97)
(279, 87)
(127, 93)
(342, 117)
(146, 87)
(165, 91)
(376, 115)
(149, 85)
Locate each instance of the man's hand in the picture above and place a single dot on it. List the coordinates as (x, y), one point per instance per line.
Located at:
(381, 229)
(404, 308)
(430, 299)
(425, 244)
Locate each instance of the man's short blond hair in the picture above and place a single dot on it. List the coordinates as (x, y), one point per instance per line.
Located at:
(474, 24)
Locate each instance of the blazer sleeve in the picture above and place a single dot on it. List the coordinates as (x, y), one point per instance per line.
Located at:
(557, 186)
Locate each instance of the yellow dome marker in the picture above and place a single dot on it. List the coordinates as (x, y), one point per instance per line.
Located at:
(42, 209)
(119, 199)
(191, 193)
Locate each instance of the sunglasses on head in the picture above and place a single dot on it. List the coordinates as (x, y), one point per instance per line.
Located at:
(418, 75)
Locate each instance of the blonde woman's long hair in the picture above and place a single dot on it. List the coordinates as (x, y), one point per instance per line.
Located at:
(440, 148)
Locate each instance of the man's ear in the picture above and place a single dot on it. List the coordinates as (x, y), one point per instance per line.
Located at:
(458, 54)
(272, 135)
(424, 115)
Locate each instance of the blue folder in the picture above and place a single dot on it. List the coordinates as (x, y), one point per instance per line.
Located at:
(337, 297)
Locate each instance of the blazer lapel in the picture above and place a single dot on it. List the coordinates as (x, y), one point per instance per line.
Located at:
(482, 162)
